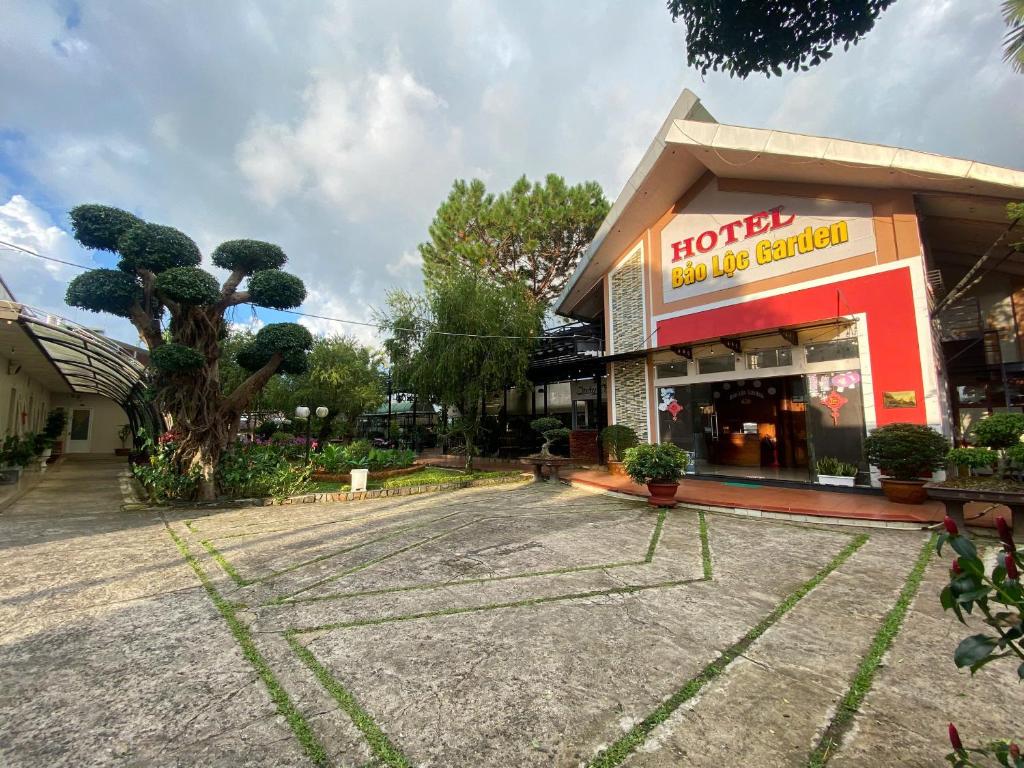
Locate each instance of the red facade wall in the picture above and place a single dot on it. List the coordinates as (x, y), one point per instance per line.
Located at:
(885, 297)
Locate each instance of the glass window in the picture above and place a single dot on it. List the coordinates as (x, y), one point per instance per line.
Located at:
(717, 364)
(840, 349)
(770, 358)
(671, 370)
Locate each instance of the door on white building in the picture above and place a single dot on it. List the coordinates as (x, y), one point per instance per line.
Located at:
(80, 430)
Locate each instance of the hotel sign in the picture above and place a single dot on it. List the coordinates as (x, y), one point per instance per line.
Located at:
(724, 239)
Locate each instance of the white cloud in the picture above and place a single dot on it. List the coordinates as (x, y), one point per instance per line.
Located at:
(25, 224)
(252, 323)
(331, 306)
(360, 143)
(409, 261)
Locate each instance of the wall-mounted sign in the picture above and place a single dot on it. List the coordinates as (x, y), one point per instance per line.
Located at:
(902, 399)
(584, 390)
(724, 239)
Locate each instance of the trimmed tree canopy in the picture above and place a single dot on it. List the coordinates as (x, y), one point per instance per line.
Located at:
(188, 285)
(275, 289)
(248, 256)
(174, 359)
(741, 37)
(156, 248)
(100, 226)
(290, 339)
(104, 290)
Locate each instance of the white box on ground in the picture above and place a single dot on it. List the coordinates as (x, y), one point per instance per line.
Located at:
(359, 479)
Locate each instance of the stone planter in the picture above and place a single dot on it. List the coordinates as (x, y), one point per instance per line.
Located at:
(663, 494)
(955, 498)
(904, 491)
(842, 480)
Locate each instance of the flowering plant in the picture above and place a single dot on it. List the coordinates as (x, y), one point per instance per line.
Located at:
(999, 598)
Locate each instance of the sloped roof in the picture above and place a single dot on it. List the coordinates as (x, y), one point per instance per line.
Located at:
(690, 143)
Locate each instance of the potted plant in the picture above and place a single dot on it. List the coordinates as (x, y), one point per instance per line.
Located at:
(999, 448)
(617, 439)
(832, 471)
(659, 466)
(903, 453)
(56, 420)
(551, 429)
(124, 433)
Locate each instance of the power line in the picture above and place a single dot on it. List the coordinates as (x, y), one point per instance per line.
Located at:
(12, 247)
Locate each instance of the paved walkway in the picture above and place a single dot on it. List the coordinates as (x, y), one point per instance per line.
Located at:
(528, 625)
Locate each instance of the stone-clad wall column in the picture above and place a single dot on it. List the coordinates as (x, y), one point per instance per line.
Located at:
(629, 377)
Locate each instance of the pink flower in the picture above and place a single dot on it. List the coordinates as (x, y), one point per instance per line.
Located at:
(950, 526)
(1005, 534)
(954, 736)
(1012, 572)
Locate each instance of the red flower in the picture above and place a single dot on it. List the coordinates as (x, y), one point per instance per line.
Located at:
(1014, 750)
(954, 737)
(956, 567)
(1012, 572)
(950, 526)
(1005, 534)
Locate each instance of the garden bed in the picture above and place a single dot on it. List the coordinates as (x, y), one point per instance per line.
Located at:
(346, 477)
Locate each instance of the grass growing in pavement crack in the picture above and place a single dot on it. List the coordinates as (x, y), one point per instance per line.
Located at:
(865, 676)
(705, 547)
(621, 749)
(655, 536)
(383, 749)
(299, 725)
(624, 590)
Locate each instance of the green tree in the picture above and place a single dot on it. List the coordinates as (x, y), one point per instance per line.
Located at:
(535, 233)
(343, 375)
(158, 275)
(1013, 44)
(468, 336)
(741, 37)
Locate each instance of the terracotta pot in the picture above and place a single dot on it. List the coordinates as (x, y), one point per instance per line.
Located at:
(616, 468)
(663, 494)
(904, 491)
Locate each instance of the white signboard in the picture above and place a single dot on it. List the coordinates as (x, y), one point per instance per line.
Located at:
(724, 239)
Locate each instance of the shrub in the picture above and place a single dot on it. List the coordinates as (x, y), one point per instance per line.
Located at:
(617, 439)
(972, 458)
(160, 476)
(267, 429)
(999, 430)
(906, 451)
(56, 420)
(662, 462)
(256, 471)
(829, 465)
(17, 451)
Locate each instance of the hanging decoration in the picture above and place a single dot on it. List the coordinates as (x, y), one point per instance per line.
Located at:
(834, 401)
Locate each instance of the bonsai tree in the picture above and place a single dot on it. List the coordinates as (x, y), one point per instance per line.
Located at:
(617, 439)
(1001, 432)
(551, 429)
(906, 451)
(158, 275)
(660, 463)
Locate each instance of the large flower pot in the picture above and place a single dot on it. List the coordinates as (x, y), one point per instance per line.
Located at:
(663, 494)
(616, 468)
(904, 491)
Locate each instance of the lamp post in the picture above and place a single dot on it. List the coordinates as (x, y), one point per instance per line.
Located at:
(302, 412)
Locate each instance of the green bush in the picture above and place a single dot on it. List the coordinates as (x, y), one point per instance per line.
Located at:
(56, 420)
(662, 462)
(617, 439)
(999, 430)
(360, 455)
(257, 471)
(829, 465)
(174, 359)
(104, 290)
(160, 476)
(906, 451)
(972, 458)
(188, 285)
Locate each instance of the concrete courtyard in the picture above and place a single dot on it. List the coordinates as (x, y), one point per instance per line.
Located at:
(518, 625)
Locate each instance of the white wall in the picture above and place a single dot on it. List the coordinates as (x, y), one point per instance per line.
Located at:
(107, 419)
(24, 402)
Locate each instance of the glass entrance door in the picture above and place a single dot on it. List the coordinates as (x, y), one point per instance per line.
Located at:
(80, 431)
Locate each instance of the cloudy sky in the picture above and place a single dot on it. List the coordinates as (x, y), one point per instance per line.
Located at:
(336, 128)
